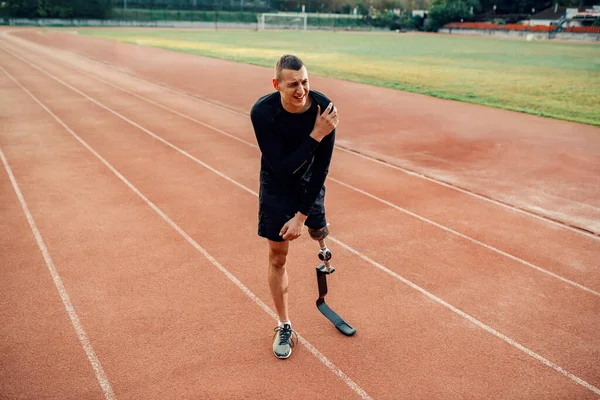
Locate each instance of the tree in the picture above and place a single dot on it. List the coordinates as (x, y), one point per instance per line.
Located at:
(59, 8)
(515, 6)
(22, 8)
(443, 11)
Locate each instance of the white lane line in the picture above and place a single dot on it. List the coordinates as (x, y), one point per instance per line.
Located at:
(357, 153)
(472, 319)
(64, 296)
(388, 203)
(487, 246)
(349, 248)
(421, 175)
(324, 360)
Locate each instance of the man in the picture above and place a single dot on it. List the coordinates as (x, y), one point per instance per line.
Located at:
(295, 130)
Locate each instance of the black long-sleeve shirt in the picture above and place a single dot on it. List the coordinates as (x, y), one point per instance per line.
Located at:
(290, 156)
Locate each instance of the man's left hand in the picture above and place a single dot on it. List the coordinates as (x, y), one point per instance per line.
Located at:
(293, 228)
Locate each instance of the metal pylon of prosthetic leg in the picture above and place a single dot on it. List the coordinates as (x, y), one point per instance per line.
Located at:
(322, 271)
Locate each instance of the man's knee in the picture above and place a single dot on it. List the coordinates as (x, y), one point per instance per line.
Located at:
(278, 254)
(277, 260)
(318, 234)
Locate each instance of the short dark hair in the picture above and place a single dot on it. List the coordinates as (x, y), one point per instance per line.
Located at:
(287, 61)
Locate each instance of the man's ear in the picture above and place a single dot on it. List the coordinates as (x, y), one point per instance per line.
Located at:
(275, 84)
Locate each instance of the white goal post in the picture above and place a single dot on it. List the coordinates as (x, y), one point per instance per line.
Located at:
(282, 21)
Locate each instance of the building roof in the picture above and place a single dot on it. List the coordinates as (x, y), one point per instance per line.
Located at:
(550, 14)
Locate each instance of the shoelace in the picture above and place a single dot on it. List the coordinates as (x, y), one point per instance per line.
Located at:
(285, 335)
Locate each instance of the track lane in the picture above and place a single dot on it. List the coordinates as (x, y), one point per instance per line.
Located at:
(41, 354)
(173, 128)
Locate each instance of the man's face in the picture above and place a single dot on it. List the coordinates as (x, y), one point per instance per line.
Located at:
(294, 87)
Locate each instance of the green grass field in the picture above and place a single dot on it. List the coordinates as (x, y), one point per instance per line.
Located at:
(559, 80)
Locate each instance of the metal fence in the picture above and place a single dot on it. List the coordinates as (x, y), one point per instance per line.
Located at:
(259, 6)
(314, 20)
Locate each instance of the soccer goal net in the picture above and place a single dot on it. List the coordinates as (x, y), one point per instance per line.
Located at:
(282, 21)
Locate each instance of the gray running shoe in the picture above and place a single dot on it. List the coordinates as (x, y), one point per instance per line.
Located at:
(284, 341)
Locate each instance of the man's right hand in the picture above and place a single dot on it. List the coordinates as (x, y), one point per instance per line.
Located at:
(326, 123)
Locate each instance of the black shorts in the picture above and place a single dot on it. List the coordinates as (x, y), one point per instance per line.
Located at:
(275, 209)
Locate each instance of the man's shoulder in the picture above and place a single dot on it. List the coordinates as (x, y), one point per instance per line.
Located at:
(321, 99)
(265, 104)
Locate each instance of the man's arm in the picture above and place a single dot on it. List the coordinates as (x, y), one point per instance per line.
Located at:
(272, 149)
(319, 174)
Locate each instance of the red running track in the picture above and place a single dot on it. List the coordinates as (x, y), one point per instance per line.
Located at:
(153, 281)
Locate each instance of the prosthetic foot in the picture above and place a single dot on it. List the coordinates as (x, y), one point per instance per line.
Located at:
(322, 271)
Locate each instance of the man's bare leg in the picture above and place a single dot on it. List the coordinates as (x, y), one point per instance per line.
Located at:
(278, 277)
(278, 283)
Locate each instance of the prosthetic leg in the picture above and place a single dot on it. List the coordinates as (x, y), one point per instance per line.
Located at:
(322, 271)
